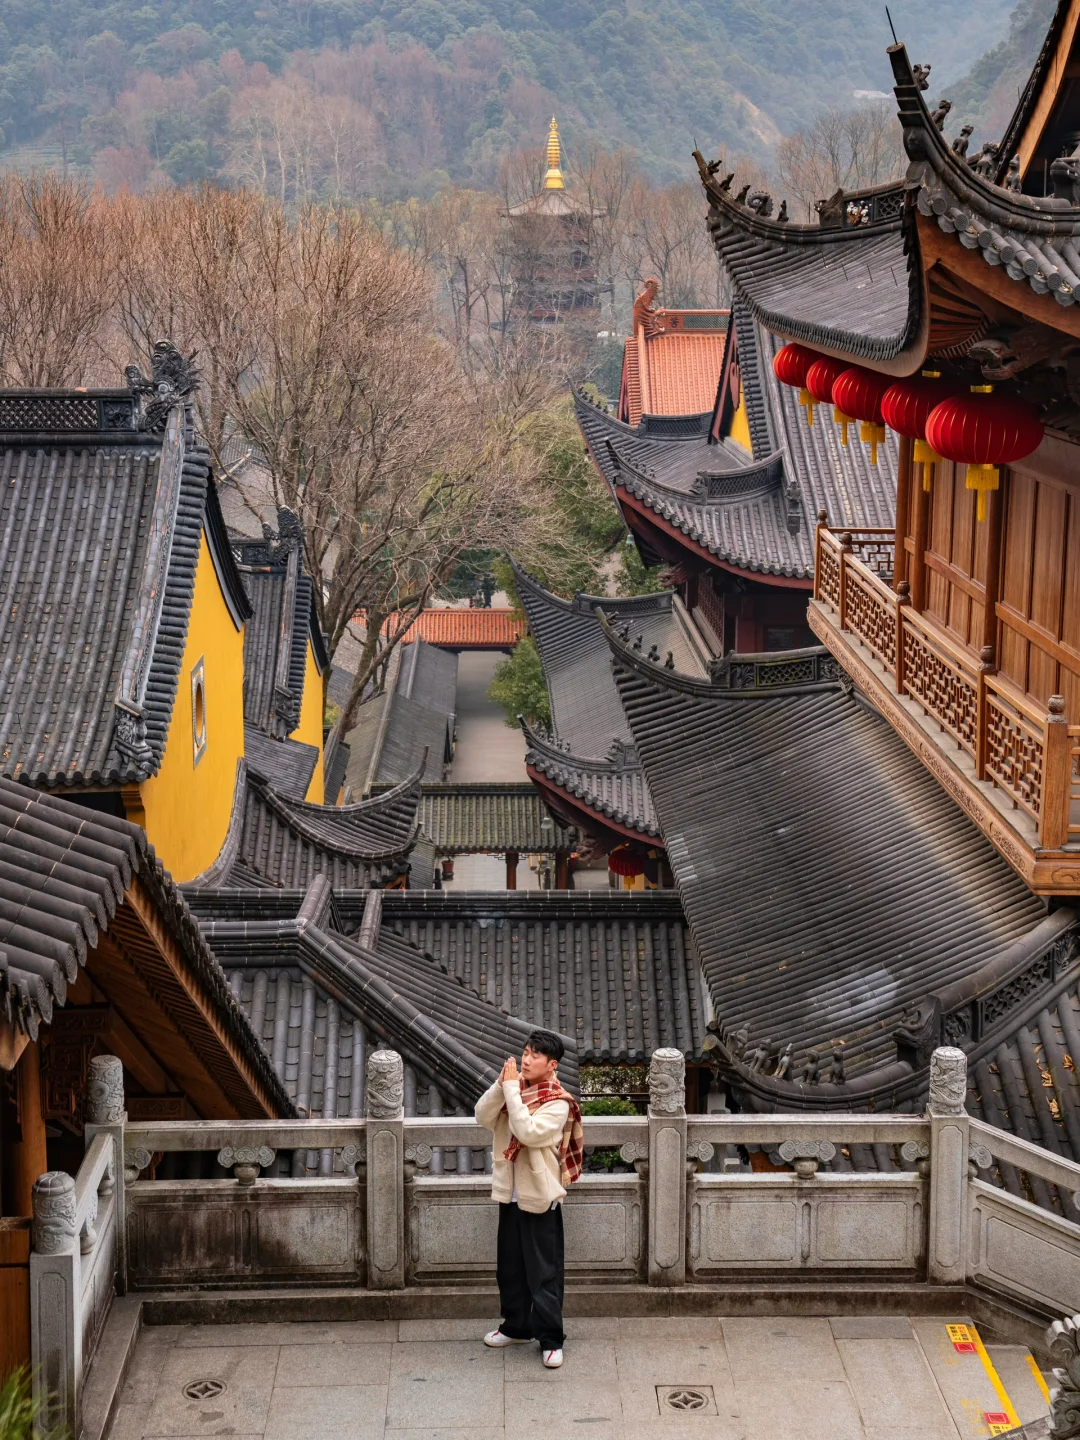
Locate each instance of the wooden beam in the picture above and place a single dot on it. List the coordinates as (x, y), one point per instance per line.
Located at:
(12, 1044)
(903, 509)
(991, 590)
(26, 1156)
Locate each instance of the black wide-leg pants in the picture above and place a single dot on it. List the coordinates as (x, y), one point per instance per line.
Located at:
(530, 1273)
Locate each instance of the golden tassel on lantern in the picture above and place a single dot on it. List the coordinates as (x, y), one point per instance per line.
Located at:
(981, 479)
(872, 434)
(843, 421)
(805, 398)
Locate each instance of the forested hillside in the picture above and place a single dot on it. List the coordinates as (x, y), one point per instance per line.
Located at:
(402, 95)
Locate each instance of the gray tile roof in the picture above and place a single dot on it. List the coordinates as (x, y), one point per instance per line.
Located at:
(286, 842)
(753, 512)
(591, 752)
(830, 883)
(287, 764)
(615, 970)
(414, 714)
(284, 620)
(489, 817)
(99, 540)
(1033, 239)
(373, 979)
(64, 871)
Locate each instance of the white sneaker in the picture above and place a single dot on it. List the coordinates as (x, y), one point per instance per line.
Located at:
(496, 1339)
(552, 1359)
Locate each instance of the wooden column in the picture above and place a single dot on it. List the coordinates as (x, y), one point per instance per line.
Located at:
(903, 511)
(921, 529)
(846, 548)
(26, 1158)
(562, 870)
(511, 869)
(1054, 809)
(993, 565)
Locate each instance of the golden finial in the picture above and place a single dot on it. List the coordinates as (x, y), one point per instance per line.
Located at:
(553, 180)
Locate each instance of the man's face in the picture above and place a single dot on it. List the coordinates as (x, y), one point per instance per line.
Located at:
(536, 1067)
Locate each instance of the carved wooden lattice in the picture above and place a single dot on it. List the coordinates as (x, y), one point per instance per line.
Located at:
(875, 552)
(48, 412)
(1014, 756)
(871, 618)
(828, 574)
(941, 689)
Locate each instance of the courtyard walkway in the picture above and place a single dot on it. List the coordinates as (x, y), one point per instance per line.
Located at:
(855, 1378)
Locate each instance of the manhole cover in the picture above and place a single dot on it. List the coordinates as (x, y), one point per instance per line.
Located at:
(204, 1389)
(686, 1399)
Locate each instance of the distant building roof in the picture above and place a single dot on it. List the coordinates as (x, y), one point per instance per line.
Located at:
(410, 726)
(751, 512)
(590, 756)
(490, 818)
(102, 504)
(284, 621)
(672, 362)
(464, 628)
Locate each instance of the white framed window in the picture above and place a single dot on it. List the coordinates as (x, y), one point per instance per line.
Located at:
(198, 711)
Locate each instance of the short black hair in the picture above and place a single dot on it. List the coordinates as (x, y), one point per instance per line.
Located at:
(543, 1042)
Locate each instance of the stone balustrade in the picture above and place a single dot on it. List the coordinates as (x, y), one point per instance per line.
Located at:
(388, 1219)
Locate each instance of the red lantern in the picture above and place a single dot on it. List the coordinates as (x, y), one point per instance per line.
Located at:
(906, 406)
(982, 431)
(820, 379)
(790, 366)
(625, 861)
(858, 392)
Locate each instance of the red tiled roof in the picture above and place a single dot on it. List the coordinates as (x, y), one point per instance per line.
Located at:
(465, 629)
(671, 363)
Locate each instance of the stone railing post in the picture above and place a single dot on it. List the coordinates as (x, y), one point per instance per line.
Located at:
(946, 1250)
(385, 1171)
(105, 1112)
(667, 1168)
(55, 1292)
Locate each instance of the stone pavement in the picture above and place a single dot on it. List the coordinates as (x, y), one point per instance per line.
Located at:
(851, 1378)
(487, 748)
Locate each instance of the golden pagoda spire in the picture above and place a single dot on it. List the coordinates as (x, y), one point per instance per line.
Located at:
(553, 180)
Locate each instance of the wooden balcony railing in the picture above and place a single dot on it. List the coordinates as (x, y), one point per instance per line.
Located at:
(1032, 755)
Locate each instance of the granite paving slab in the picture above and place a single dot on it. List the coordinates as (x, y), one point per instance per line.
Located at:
(571, 1406)
(961, 1377)
(327, 1412)
(825, 1410)
(897, 1395)
(787, 1351)
(459, 1383)
(1013, 1364)
(248, 1374)
(334, 1364)
(297, 1332)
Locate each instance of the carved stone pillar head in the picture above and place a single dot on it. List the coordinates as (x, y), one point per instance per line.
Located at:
(385, 1085)
(1063, 1342)
(948, 1080)
(667, 1082)
(105, 1091)
(53, 1229)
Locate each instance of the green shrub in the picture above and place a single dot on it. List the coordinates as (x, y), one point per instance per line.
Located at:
(608, 1105)
(21, 1415)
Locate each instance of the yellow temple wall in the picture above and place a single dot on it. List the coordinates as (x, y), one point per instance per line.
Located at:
(310, 729)
(740, 425)
(187, 804)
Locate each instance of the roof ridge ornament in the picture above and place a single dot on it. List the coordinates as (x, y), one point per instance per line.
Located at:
(174, 378)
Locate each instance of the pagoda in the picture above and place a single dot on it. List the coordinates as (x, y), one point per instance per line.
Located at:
(553, 274)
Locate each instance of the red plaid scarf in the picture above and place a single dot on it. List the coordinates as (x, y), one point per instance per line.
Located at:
(571, 1151)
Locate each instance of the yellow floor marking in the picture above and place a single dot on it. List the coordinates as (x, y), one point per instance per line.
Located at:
(965, 1338)
(1039, 1378)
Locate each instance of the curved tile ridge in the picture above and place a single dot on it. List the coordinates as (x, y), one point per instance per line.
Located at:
(614, 787)
(374, 829)
(808, 842)
(1033, 238)
(797, 278)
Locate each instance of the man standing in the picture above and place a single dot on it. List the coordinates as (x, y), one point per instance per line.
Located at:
(536, 1155)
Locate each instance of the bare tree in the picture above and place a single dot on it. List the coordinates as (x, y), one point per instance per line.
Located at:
(843, 149)
(57, 280)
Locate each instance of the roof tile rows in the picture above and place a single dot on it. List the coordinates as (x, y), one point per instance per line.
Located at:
(831, 884)
(469, 819)
(464, 628)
